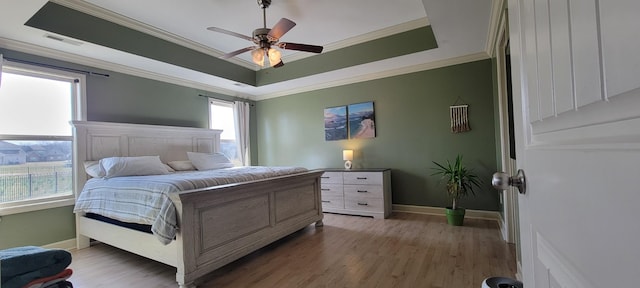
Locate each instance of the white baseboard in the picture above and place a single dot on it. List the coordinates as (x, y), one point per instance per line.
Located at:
(65, 244)
(519, 272)
(503, 228)
(439, 211)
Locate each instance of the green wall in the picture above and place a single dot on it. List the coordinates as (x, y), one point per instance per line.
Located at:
(37, 228)
(412, 127)
(117, 98)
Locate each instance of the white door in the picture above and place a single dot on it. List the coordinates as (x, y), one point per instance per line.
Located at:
(576, 83)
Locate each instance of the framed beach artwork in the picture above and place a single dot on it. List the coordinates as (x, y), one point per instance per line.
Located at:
(335, 123)
(362, 121)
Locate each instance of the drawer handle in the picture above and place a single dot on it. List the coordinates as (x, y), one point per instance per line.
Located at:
(362, 191)
(326, 201)
(325, 189)
(362, 203)
(325, 177)
(361, 178)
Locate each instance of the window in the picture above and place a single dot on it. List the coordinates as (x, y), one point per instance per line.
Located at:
(36, 106)
(222, 117)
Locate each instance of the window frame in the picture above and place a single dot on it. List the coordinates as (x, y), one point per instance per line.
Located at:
(78, 111)
(228, 104)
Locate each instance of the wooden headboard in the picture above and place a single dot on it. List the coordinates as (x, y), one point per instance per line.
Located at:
(97, 140)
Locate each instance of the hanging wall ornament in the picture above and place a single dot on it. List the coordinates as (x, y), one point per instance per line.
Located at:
(459, 118)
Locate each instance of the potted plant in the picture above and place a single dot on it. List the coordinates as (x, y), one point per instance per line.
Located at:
(460, 183)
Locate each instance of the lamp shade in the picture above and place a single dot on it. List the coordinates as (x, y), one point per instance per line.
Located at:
(257, 55)
(347, 155)
(274, 56)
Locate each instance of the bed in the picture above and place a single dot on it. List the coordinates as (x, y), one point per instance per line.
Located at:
(217, 224)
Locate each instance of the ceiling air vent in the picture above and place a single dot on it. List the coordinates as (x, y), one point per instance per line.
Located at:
(65, 40)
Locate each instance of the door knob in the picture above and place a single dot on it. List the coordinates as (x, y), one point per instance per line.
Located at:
(502, 181)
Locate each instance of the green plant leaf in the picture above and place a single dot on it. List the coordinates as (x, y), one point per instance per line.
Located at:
(461, 181)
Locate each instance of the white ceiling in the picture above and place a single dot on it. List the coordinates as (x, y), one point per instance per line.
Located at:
(461, 27)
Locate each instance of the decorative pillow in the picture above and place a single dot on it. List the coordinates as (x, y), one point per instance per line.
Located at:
(94, 169)
(168, 168)
(132, 166)
(182, 165)
(205, 161)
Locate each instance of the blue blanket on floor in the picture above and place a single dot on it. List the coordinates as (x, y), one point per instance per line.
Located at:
(21, 265)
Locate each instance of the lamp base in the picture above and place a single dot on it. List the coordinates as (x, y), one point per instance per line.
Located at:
(347, 164)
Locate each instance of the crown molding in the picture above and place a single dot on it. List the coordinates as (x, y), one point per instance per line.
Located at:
(400, 28)
(384, 74)
(404, 27)
(100, 64)
(494, 26)
(94, 10)
(108, 15)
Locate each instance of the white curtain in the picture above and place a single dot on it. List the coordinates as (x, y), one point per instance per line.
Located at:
(241, 113)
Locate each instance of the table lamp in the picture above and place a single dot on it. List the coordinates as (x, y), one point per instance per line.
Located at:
(347, 156)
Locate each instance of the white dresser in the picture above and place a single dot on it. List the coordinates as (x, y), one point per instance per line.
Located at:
(364, 192)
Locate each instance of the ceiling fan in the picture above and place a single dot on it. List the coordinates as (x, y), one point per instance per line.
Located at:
(265, 38)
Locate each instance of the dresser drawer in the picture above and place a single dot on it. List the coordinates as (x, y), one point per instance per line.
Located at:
(331, 189)
(374, 191)
(332, 196)
(364, 204)
(331, 178)
(367, 178)
(332, 201)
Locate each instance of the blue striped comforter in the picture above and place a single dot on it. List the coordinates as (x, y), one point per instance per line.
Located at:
(145, 199)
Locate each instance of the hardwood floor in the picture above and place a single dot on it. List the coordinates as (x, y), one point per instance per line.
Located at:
(407, 250)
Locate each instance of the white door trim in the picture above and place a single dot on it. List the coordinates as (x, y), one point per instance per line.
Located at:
(509, 199)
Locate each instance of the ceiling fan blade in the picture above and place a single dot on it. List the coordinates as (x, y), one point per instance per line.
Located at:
(237, 52)
(283, 26)
(300, 47)
(224, 31)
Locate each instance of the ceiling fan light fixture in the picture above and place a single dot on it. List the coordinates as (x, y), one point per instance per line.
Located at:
(257, 56)
(264, 38)
(274, 56)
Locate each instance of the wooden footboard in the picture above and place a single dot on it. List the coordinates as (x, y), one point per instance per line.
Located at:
(222, 224)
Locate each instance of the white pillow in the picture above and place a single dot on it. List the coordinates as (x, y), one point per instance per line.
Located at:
(168, 167)
(185, 165)
(132, 166)
(94, 169)
(205, 161)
